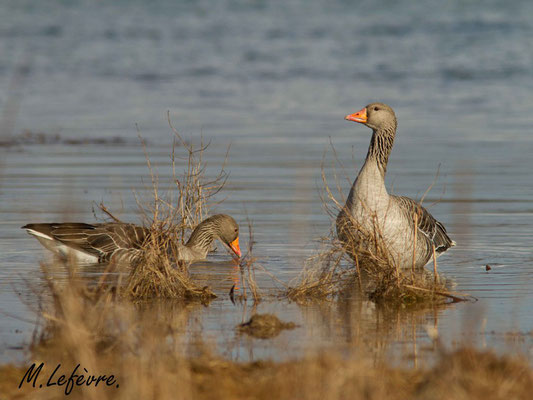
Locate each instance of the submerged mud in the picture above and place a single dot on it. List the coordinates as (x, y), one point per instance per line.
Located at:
(264, 326)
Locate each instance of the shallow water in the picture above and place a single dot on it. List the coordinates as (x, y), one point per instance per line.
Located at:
(275, 80)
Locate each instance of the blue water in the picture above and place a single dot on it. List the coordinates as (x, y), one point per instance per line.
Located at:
(275, 79)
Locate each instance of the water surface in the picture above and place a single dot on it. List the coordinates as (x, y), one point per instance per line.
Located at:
(275, 79)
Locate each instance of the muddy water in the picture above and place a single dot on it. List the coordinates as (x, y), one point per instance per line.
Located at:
(275, 83)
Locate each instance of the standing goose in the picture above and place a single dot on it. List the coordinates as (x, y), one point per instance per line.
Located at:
(371, 212)
(123, 243)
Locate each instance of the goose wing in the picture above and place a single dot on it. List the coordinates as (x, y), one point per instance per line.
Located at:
(100, 240)
(428, 226)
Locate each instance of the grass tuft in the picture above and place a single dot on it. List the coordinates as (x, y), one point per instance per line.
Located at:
(170, 215)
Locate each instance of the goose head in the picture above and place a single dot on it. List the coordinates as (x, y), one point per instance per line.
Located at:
(220, 226)
(377, 116)
(228, 233)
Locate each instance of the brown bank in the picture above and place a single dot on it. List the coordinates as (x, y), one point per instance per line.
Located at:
(465, 374)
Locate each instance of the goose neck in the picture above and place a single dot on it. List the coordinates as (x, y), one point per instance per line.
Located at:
(380, 148)
(201, 238)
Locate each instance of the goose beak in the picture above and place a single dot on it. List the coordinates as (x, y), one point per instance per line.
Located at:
(235, 247)
(359, 116)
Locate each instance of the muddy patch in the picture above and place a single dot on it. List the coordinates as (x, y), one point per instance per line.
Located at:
(264, 326)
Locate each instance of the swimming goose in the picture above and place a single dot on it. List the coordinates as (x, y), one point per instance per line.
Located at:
(371, 212)
(121, 242)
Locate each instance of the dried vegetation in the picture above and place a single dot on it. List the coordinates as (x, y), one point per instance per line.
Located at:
(171, 214)
(146, 352)
(247, 267)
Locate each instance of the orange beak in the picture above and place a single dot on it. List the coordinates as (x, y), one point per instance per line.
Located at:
(235, 247)
(359, 116)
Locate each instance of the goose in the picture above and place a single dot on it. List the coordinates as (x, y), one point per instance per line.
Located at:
(123, 242)
(371, 212)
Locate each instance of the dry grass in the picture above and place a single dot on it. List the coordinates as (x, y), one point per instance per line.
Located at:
(158, 275)
(109, 334)
(463, 375)
(186, 202)
(247, 266)
(146, 349)
(170, 214)
(321, 277)
(146, 352)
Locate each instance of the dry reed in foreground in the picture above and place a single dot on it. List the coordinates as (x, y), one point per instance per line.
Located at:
(463, 375)
(145, 352)
(170, 214)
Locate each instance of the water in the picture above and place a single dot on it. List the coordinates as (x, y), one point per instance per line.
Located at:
(275, 80)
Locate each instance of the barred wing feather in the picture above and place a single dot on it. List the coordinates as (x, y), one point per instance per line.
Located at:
(432, 229)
